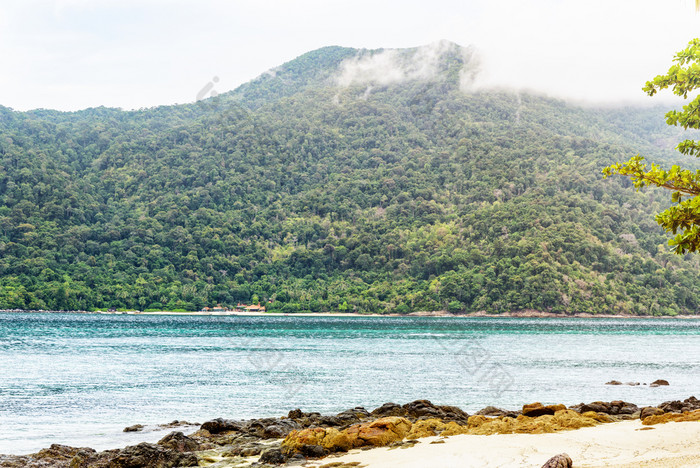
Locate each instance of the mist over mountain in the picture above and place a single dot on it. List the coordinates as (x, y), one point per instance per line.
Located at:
(368, 180)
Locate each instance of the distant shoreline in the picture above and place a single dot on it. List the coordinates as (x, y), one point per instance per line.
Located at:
(436, 314)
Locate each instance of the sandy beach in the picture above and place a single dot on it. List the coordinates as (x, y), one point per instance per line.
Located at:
(625, 444)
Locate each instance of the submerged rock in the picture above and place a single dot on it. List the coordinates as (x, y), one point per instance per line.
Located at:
(134, 428)
(177, 423)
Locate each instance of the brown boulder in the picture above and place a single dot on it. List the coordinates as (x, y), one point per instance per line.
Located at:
(381, 432)
(453, 413)
(296, 414)
(389, 409)
(537, 409)
(619, 407)
(134, 428)
(219, 425)
(597, 406)
(424, 409)
(614, 408)
(179, 442)
(352, 416)
(559, 461)
(273, 457)
(650, 411)
(659, 382)
(272, 428)
(492, 411)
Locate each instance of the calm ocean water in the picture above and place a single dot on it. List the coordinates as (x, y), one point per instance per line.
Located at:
(79, 379)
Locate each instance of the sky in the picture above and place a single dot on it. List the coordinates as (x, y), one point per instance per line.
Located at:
(74, 54)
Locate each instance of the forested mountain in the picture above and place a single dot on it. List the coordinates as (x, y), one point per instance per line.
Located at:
(374, 181)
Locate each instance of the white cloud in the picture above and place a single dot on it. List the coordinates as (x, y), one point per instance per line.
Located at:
(395, 65)
(69, 54)
(599, 50)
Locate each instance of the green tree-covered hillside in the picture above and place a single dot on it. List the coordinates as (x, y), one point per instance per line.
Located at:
(373, 181)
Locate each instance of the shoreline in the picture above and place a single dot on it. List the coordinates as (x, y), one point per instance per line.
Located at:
(436, 314)
(613, 433)
(623, 444)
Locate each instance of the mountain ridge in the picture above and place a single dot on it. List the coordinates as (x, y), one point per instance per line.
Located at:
(412, 196)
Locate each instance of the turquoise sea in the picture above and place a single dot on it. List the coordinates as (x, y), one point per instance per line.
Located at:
(79, 379)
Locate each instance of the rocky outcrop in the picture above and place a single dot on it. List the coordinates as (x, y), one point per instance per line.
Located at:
(59, 456)
(152, 456)
(301, 435)
(689, 404)
(620, 409)
(561, 420)
(659, 382)
(671, 417)
(141, 455)
(378, 433)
